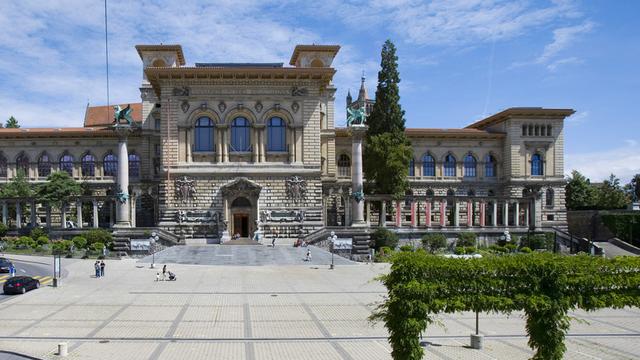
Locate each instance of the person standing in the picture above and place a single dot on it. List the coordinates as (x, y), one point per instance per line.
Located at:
(102, 265)
(308, 258)
(96, 267)
(164, 272)
(273, 241)
(12, 270)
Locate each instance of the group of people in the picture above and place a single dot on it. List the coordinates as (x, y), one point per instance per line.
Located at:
(165, 274)
(99, 268)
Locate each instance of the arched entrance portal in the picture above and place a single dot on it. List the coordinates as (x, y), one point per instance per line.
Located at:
(241, 206)
(242, 217)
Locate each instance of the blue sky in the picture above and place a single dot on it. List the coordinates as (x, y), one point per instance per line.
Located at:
(459, 60)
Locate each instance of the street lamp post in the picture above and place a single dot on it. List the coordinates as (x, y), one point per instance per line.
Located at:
(332, 239)
(152, 246)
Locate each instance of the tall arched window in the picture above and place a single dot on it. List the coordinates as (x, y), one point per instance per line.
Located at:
(134, 165)
(428, 165)
(88, 165)
(470, 166)
(412, 167)
(344, 165)
(240, 135)
(44, 166)
(550, 196)
(490, 166)
(66, 164)
(110, 165)
(22, 164)
(3, 166)
(536, 165)
(449, 165)
(204, 134)
(276, 134)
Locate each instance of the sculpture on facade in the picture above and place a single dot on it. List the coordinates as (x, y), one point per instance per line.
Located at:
(296, 188)
(185, 189)
(181, 91)
(358, 195)
(120, 114)
(355, 117)
(122, 196)
(299, 91)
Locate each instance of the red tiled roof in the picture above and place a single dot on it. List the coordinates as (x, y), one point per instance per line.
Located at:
(56, 132)
(103, 115)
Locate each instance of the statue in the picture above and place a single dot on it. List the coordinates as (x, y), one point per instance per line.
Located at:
(185, 189)
(358, 195)
(355, 117)
(296, 188)
(120, 114)
(257, 235)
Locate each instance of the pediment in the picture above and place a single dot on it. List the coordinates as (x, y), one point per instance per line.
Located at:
(240, 186)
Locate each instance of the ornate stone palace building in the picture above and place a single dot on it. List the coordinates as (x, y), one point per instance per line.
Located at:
(230, 146)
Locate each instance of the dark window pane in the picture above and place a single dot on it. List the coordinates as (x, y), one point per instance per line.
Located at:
(240, 135)
(134, 165)
(276, 135)
(204, 134)
(66, 164)
(44, 166)
(469, 166)
(428, 166)
(536, 165)
(110, 165)
(449, 166)
(88, 165)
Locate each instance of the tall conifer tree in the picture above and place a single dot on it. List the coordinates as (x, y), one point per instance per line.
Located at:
(12, 123)
(387, 151)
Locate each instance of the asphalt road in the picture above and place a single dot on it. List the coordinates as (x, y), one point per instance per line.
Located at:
(39, 269)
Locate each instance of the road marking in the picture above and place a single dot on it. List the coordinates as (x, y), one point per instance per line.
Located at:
(23, 270)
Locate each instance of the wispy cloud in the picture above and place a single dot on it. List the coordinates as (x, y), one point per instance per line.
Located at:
(623, 161)
(562, 38)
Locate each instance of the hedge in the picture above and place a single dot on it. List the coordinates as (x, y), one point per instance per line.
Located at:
(624, 226)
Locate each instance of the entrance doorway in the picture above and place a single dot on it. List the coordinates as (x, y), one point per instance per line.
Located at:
(241, 224)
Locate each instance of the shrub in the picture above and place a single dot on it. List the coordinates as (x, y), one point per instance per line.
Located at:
(459, 250)
(37, 233)
(537, 241)
(385, 251)
(383, 237)
(38, 248)
(434, 242)
(24, 242)
(98, 236)
(466, 239)
(42, 240)
(3, 230)
(498, 249)
(525, 250)
(61, 247)
(79, 242)
(408, 248)
(511, 248)
(470, 250)
(97, 247)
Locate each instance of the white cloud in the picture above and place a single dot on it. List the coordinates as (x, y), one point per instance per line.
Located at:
(562, 62)
(623, 161)
(562, 38)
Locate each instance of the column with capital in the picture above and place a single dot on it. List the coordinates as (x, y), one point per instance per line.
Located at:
(483, 209)
(18, 215)
(469, 213)
(427, 213)
(95, 214)
(517, 211)
(398, 213)
(79, 213)
(357, 195)
(456, 215)
(123, 218)
(506, 213)
(443, 213)
(413, 213)
(494, 215)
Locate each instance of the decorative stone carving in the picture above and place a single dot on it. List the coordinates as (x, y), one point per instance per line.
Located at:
(296, 188)
(299, 91)
(358, 195)
(282, 216)
(295, 107)
(184, 216)
(241, 186)
(122, 196)
(258, 106)
(222, 106)
(184, 106)
(203, 106)
(185, 189)
(181, 91)
(276, 107)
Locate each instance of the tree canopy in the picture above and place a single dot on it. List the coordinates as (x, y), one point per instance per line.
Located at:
(12, 123)
(633, 188)
(387, 151)
(59, 189)
(580, 193)
(611, 195)
(18, 186)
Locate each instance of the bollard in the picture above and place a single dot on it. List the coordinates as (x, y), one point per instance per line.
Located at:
(477, 341)
(62, 349)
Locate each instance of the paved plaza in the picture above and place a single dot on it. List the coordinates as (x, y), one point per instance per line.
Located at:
(260, 312)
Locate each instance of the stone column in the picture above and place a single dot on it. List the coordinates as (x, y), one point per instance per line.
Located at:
(526, 214)
(483, 210)
(298, 138)
(18, 215)
(123, 218)
(427, 213)
(494, 216)
(367, 207)
(34, 213)
(48, 216)
(517, 211)
(261, 144)
(456, 214)
(398, 214)
(382, 220)
(219, 141)
(255, 148)
(111, 219)
(443, 213)
(506, 213)
(292, 146)
(79, 213)
(188, 139)
(63, 216)
(95, 214)
(132, 209)
(470, 213)
(348, 216)
(357, 198)
(224, 130)
(5, 213)
(413, 213)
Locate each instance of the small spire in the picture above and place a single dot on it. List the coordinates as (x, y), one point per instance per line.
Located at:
(349, 98)
(362, 95)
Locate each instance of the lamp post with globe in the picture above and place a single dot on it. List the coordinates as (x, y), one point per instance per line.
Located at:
(152, 247)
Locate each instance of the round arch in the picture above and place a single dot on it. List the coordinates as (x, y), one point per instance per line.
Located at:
(240, 112)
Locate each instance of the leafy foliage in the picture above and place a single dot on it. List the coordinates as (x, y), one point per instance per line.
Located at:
(62, 247)
(537, 241)
(80, 242)
(42, 240)
(101, 236)
(3, 230)
(59, 189)
(624, 226)
(467, 239)
(97, 247)
(18, 187)
(611, 195)
(38, 232)
(384, 238)
(633, 188)
(434, 242)
(543, 285)
(12, 123)
(24, 242)
(580, 193)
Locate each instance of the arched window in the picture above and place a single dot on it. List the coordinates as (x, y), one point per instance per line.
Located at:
(66, 164)
(549, 199)
(428, 165)
(344, 165)
(412, 167)
(536, 165)
(134, 165)
(3, 166)
(44, 166)
(449, 165)
(240, 135)
(110, 165)
(22, 164)
(470, 166)
(88, 165)
(276, 134)
(490, 166)
(204, 134)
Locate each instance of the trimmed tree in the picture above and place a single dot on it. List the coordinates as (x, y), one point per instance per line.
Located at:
(579, 192)
(12, 123)
(17, 187)
(387, 151)
(611, 195)
(59, 189)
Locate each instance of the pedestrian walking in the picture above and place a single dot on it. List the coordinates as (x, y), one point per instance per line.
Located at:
(273, 241)
(102, 265)
(157, 276)
(12, 270)
(308, 258)
(164, 272)
(96, 267)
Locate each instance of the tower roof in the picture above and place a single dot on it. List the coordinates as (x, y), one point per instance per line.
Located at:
(362, 95)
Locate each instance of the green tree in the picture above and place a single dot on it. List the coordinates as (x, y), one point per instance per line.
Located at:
(633, 188)
(12, 123)
(579, 191)
(383, 237)
(387, 151)
(17, 187)
(98, 236)
(434, 242)
(59, 189)
(611, 195)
